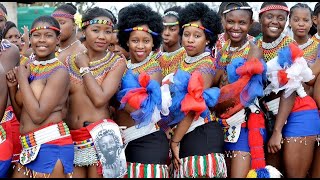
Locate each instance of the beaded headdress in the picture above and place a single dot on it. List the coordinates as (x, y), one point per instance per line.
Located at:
(44, 27)
(197, 26)
(141, 29)
(171, 23)
(64, 15)
(274, 7)
(173, 13)
(236, 8)
(96, 21)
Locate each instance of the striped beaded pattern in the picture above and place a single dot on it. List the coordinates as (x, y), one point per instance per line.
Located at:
(28, 140)
(314, 37)
(44, 27)
(210, 166)
(44, 71)
(96, 21)
(139, 170)
(269, 54)
(8, 115)
(169, 61)
(83, 144)
(310, 52)
(3, 135)
(5, 44)
(204, 65)
(152, 66)
(99, 68)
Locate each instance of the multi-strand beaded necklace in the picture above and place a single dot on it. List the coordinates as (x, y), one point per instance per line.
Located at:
(270, 50)
(99, 68)
(310, 51)
(43, 69)
(150, 65)
(169, 61)
(202, 63)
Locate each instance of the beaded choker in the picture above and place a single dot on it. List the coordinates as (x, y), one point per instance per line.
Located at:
(96, 21)
(197, 26)
(141, 29)
(43, 69)
(135, 65)
(237, 8)
(303, 46)
(274, 7)
(64, 15)
(273, 44)
(171, 24)
(190, 59)
(60, 50)
(44, 27)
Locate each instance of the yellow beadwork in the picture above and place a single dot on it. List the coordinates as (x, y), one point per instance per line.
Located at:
(169, 61)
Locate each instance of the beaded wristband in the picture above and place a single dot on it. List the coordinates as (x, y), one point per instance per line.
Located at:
(44, 27)
(141, 29)
(197, 26)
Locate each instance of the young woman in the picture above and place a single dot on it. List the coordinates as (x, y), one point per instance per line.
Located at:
(147, 147)
(171, 47)
(46, 141)
(316, 21)
(197, 138)
(286, 97)
(95, 76)
(114, 45)
(69, 44)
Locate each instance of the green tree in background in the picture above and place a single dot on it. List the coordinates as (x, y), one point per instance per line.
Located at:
(81, 6)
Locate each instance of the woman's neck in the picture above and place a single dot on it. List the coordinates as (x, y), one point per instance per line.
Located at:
(301, 40)
(69, 41)
(50, 56)
(96, 55)
(171, 48)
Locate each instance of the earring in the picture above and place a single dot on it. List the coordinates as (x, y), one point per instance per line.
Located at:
(206, 43)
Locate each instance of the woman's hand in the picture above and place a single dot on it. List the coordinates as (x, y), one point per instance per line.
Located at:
(175, 152)
(82, 60)
(23, 72)
(11, 78)
(274, 144)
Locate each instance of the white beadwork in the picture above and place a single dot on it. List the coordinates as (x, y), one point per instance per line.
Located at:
(194, 59)
(273, 44)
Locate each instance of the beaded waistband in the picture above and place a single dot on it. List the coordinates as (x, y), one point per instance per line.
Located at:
(3, 135)
(83, 144)
(47, 134)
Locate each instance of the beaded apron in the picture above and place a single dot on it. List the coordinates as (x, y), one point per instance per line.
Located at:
(169, 61)
(99, 68)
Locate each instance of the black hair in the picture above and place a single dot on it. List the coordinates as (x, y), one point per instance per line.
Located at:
(92, 13)
(208, 18)
(137, 15)
(7, 26)
(231, 5)
(222, 7)
(316, 9)
(114, 18)
(47, 19)
(4, 9)
(255, 29)
(176, 9)
(68, 8)
(265, 4)
(300, 5)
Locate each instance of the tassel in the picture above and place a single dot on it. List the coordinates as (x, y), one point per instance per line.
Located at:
(263, 173)
(274, 173)
(252, 174)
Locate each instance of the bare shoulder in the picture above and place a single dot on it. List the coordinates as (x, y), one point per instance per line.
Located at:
(10, 57)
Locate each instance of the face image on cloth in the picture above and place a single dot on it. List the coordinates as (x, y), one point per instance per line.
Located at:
(109, 147)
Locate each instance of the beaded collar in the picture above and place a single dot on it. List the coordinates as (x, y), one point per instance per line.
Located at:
(203, 65)
(273, 44)
(151, 66)
(303, 46)
(135, 65)
(43, 69)
(169, 61)
(310, 50)
(190, 59)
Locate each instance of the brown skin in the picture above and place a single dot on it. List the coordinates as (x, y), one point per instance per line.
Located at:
(115, 47)
(90, 101)
(39, 107)
(170, 35)
(316, 21)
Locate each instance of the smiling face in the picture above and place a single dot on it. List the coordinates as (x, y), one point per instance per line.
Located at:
(170, 34)
(300, 22)
(67, 26)
(237, 25)
(98, 36)
(44, 42)
(140, 45)
(272, 24)
(194, 39)
(109, 148)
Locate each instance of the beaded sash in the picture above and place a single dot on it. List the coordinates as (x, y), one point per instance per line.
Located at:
(99, 68)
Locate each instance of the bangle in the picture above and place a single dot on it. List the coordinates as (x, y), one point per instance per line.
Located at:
(175, 141)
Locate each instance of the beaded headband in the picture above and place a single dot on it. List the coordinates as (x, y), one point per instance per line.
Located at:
(171, 23)
(65, 15)
(115, 31)
(236, 8)
(274, 7)
(141, 29)
(96, 21)
(197, 26)
(44, 27)
(3, 15)
(171, 13)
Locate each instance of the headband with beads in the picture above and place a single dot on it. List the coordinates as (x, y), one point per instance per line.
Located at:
(141, 29)
(274, 7)
(64, 15)
(197, 26)
(171, 23)
(236, 8)
(171, 13)
(44, 27)
(3, 15)
(96, 21)
(115, 30)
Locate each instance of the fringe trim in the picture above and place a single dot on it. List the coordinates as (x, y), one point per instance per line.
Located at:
(233, 154)
(138, 170)
(210, 165)
(33, 174)
(299, 140)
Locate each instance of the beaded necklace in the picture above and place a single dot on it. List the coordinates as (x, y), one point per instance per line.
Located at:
(228, 53)
(316, 37)
(169, 61)
(270, 50)
(310, 50)
(150, 65)
(99, 68)
(203, 65)
(43, 69)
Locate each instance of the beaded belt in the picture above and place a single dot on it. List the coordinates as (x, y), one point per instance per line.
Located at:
(133, 133)
(273, 105)
(83, 144)
(47, 134)
(3, 135)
